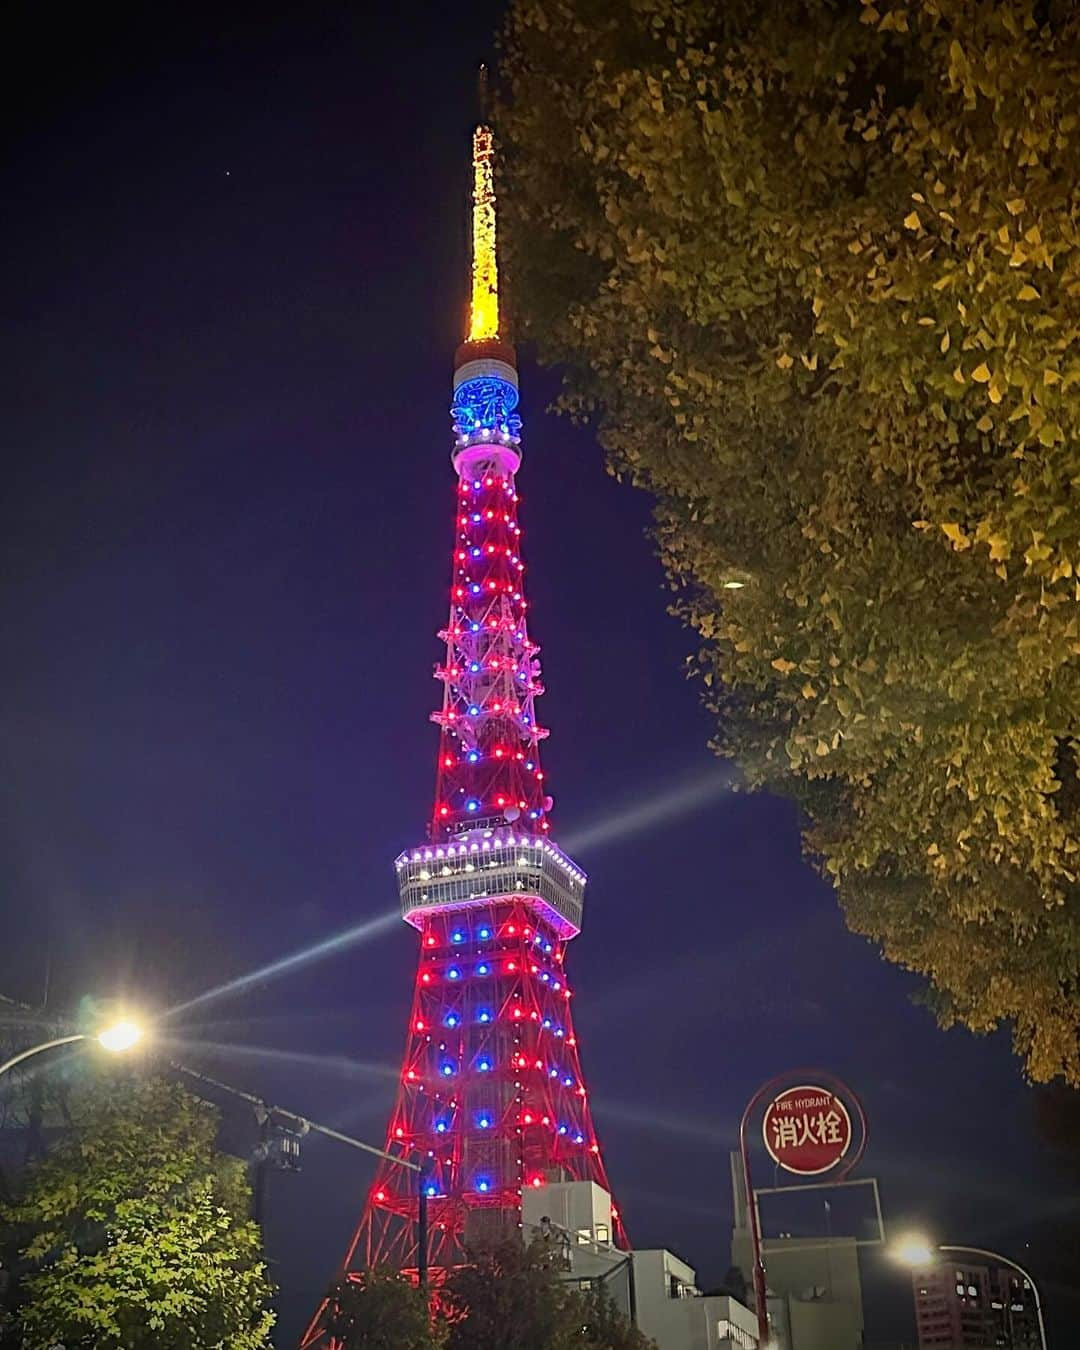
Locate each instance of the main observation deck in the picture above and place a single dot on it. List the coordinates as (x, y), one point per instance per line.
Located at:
(484, 867)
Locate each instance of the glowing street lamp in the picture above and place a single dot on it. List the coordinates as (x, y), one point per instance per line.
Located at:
(120, 1036)
(915, 1251)
(918, 1253)
(117, 1038)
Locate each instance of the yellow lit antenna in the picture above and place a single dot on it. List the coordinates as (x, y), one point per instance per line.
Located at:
(484, 309)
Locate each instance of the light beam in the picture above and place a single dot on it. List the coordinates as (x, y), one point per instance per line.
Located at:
(286, 965)
(657, 810)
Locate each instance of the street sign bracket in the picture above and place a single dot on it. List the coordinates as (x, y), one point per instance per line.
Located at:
(794, 1246)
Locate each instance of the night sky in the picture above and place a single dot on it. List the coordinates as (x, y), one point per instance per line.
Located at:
(233, 280)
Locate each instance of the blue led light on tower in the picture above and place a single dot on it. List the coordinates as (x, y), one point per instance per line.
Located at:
(485, 403)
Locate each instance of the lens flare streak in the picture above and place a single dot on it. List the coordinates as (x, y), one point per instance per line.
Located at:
(657, 810)
(286, 965)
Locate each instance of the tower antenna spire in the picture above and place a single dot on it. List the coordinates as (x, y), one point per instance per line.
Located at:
(484, 302)
(483, 95)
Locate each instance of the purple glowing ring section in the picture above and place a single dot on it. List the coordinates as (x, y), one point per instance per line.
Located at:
(559, 923)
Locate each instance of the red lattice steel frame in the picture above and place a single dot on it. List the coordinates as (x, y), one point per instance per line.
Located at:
(490, 1003)
(502, 1002)
(489, 746)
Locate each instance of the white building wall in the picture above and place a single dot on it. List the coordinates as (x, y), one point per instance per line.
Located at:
(579, 1207)
(672, 1311)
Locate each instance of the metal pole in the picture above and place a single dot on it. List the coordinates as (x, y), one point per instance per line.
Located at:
(761, 1306)
(1015, 1265)
(301, 1121)
(262, 1164)
(422, 1227)
(258, 1204)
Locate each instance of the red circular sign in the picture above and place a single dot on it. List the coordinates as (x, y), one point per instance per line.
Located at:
(807, 1129)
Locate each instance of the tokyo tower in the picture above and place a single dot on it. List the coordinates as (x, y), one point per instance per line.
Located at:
(491, 1092)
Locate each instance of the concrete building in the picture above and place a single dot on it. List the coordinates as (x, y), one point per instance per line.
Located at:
(654, 1289)
(677, 1316)
(967, 1304)
(814, 1288)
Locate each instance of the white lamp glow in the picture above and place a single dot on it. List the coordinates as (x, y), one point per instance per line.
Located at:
(915, 1250)
(120, 1036)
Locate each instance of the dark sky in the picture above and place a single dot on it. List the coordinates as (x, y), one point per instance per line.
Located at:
(233, 278)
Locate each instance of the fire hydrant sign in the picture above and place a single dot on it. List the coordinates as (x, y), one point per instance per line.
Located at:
(807, 1129)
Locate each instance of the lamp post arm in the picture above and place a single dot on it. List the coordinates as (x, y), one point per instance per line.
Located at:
(1015, 1265)
(292, 1116)
(37, 1049)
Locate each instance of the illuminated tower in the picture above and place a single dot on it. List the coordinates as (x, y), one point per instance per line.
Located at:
(491, 1089)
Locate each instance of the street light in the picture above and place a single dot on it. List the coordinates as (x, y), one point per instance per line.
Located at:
(916, 1251)
(116, 1038)
(120, 1036)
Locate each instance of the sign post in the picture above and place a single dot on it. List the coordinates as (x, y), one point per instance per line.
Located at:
(807, 1130)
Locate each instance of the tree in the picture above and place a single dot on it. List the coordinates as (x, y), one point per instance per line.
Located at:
(602, 1325)
(379, 1310)
(508, 1296)
(133, 1231)
(814, 267)
(512, 1297)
